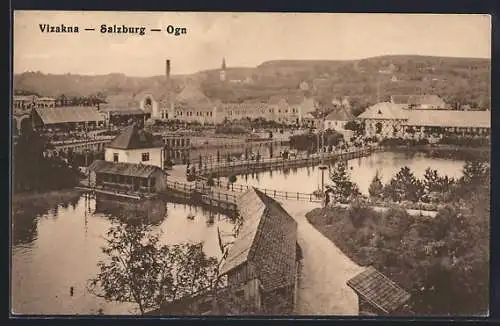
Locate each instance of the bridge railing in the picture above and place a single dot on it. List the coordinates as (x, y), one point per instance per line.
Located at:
(210, 166)
(278, 194)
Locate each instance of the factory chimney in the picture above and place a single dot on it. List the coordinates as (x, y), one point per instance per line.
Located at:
(167, 73)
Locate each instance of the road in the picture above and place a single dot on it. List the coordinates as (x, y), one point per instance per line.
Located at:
(326, 269)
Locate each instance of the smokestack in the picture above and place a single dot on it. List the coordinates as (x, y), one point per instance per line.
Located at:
(168, 70)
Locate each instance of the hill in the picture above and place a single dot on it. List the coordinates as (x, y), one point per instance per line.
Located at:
(456, 80)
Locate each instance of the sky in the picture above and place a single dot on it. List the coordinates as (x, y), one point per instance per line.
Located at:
(244, 39)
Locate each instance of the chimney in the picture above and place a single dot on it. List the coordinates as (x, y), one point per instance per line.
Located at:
(168, 70)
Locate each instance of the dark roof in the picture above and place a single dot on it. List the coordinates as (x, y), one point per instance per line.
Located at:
(267, 239)
(378, 290)
(69, 114)
(134, 138)
(125, 169)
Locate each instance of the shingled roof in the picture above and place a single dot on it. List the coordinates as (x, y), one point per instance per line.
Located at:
(267, 239)
(134, 138)
(70, 114)
(378, 290)
(125, 169)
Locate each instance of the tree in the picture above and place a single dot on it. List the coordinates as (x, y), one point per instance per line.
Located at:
(404, 186)
(433, 182)
(341, 186)
(376, 187)
(141, 270)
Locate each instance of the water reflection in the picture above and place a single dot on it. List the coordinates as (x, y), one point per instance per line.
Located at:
(60, 247)
(308, 179)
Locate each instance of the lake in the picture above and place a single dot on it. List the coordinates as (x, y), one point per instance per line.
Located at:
(362, 170)
(59, 248)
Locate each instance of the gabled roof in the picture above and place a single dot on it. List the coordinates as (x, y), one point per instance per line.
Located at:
(192, 95)
(385, 110)
(378, 290)
(125, 169)
(134, 138)
(267, 239)
(340, 114)
(69, 114)
(449, 118)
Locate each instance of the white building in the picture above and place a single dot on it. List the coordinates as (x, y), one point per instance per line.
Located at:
(338, 118)
(135, 146)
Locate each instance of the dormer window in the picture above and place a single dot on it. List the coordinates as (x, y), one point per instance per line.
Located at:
(379, 112)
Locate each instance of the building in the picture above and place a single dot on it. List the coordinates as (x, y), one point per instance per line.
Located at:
(377, 294)
(32, 101)
(384, 120)
(128, 177)
(177, 148)
(133, 162)
(420, 102)
(262, 265)
(425, 123)
(67, 118)
(46, 102)
(337, 118)
(135, 146)
(389, 120)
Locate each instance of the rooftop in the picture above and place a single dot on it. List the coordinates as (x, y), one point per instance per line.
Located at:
(268, 238)
(378, 290)
(340, 114)
(385, 110)
(449, 118)
(429, 100)
(132, 137)
(125, 169)
(69, 114)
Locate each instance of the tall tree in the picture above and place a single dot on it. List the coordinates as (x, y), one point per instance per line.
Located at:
(341, 185)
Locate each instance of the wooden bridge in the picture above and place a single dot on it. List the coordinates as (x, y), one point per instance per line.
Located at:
(224, 194)
(248, 166)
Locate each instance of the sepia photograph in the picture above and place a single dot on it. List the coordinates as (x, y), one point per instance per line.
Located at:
(250, 164)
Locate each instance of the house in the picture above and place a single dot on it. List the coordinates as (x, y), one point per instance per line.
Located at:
(384, 120)
(135, 146)
(66, 118)
(262, 265)
(420, 102)
(337, 118)
(377, 294)
(129, 177)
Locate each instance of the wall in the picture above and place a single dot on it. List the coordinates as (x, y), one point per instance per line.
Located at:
(161, 181)
(134, 156)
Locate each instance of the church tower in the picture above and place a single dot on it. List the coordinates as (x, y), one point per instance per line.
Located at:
(223, 70)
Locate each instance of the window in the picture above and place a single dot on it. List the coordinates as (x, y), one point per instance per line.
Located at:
(145, 157)
(115, 157)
